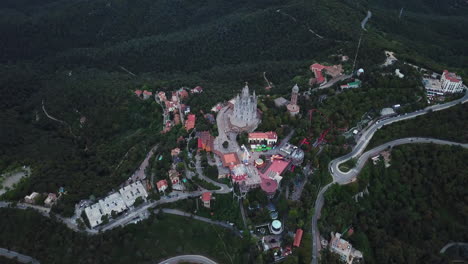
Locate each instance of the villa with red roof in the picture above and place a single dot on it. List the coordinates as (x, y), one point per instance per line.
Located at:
(190, 122)
(146, 94)
(162, 185)
(206, 199)
(138, 92)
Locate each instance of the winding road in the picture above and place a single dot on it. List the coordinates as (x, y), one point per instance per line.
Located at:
(190, 259)
(200, 218)
(17, 256)
(223, 187)
(341, 177)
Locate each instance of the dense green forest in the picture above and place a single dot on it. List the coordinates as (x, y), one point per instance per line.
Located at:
(5, 260)
(412, 210)
(449, 124)
(160, 237)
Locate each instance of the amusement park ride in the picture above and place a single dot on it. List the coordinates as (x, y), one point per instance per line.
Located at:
(321, 139)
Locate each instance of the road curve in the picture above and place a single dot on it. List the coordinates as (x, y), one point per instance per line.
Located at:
(346, 177)
(188, 258)
(343, 177)
(17, 256)
(452, 244)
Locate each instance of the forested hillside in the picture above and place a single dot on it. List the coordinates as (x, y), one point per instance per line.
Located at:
(151, 241)
(413, 208)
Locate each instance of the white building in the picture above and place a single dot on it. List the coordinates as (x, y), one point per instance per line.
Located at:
(451, 83)
(131, 192)
(117, 202)
(343, 248)
(258, 138)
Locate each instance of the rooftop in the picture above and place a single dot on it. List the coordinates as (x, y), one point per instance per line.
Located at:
(190, 122)
(451, 76)
(298, 238)
(131, 192)
(206, 196)
(269, 186)
(161, 184)
(230, 159)
(263, 135)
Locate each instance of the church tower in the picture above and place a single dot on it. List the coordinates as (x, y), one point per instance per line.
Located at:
(292, 107)
(245, 109)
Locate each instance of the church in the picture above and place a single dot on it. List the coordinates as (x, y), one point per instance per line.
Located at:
(245, 114)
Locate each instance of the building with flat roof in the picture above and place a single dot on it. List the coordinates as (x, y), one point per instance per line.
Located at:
(131, 192)
(31, 199)
(94, 214)
(113, 202)
(343, 248)
(117, 202)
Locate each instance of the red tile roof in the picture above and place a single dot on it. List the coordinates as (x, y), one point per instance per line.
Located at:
(147, 92)
(230, 160)
(205, 140)
(451, 76)
(190, 122)
(183, 94)
(138, 92)
(268, 185)
(298, 238)
(317, 69)
(263, 135)
(278, 166)
(161, 183)
(206, 196)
